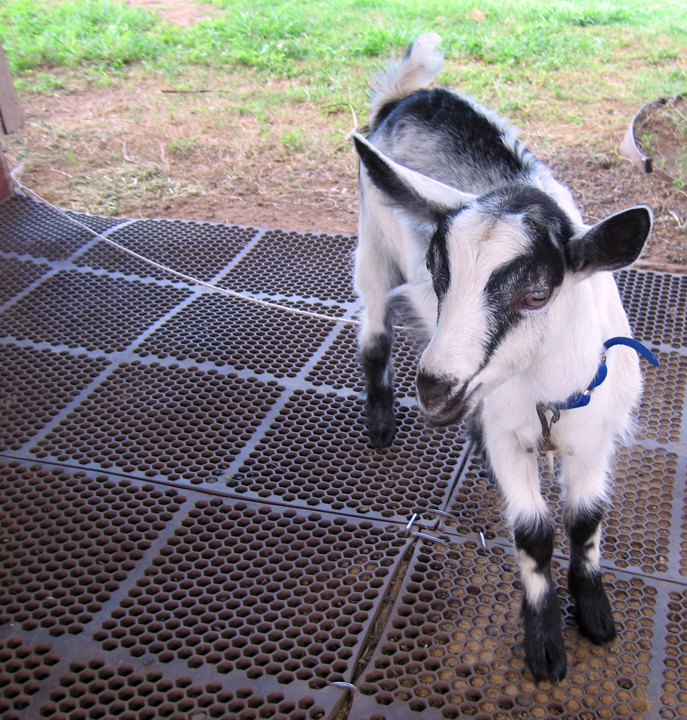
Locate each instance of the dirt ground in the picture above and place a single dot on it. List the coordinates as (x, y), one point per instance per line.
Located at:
(136, 148)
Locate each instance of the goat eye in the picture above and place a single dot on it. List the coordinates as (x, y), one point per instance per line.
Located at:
(428, 264)
(536, 298)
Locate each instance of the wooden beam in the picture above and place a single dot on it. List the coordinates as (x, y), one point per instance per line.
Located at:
(6, 188)
(10, 120)
(10, 110)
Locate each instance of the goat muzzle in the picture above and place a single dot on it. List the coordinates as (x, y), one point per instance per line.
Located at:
(440, 399)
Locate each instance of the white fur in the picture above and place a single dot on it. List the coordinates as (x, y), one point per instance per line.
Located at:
(553, 353)
(535, 584)
(399, 79)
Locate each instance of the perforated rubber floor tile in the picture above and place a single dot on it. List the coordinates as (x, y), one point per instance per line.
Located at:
(23, 668)
(68, 540)
(453, 646)
(133, 600)
(96, 223)
(35, 385)
(339, 368)
(84, 310)
(661, 413)
(259, 591)
(18, 275)
(164, 422)
(315, 454)
(674, 685)
(129, 691)
(195, 249)
(229, 332)
(31, 228)
(307, 265)
(655, 303)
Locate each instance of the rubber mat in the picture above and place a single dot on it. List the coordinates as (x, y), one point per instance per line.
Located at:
(193, 525)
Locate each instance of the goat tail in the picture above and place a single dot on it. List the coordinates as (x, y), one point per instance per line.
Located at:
(421, 64)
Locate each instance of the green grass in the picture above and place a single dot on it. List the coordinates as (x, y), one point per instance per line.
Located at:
(279, 37)
(69, 34)
(521, 49)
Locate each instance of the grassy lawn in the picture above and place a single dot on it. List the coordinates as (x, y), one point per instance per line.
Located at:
(525, 57)
(252, 102)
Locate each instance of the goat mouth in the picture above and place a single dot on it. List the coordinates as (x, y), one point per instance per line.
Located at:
(454, 410)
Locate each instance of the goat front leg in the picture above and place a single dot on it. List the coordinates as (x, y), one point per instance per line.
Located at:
(518, 476)
(584, 508)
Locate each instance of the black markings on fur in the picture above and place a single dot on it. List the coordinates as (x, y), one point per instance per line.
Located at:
(536, 539)
(592, 609)
(475, 430)
(393, 275)
(545, 218)
(581, 525)
(613, 243)
(544, 645)
(382, 114)
(386, 180)
(375, 358)
(437, 258)
(502, 318)
(541, 266)
(470, 153)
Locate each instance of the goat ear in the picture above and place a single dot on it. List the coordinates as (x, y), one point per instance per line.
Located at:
(410, 190)
(611, 244)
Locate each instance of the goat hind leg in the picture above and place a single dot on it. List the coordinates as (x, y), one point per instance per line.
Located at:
(377, 271)
(375, 358)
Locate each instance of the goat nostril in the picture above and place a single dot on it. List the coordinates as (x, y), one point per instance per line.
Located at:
(431, 390)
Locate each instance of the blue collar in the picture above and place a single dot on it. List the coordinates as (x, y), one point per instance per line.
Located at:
(581, 399)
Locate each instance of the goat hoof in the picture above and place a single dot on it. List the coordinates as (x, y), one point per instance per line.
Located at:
(595, 618)
(544, 645)
(381, 426)
(381, 436)
(546, 658)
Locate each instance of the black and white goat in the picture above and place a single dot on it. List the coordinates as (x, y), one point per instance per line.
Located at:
(461, 224)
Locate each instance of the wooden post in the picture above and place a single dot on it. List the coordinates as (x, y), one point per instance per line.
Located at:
(11, 119)
(6, 188)
(9, 102)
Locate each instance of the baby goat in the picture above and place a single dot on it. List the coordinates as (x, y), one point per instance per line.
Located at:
(461, 225)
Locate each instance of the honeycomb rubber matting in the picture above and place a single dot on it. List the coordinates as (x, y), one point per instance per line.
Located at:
(193, 525)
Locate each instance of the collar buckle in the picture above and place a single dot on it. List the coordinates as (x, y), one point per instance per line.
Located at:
(582, 399)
